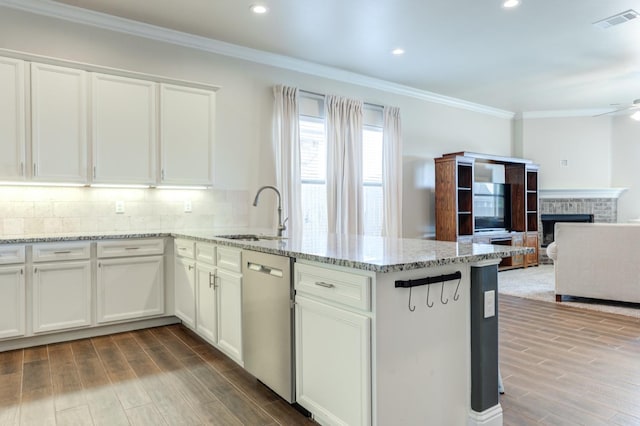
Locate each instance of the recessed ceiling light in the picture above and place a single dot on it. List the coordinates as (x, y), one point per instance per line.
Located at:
(259, 9)
(510, 3)
(397, 51)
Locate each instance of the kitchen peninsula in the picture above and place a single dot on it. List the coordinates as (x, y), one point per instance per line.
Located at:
(413, 330)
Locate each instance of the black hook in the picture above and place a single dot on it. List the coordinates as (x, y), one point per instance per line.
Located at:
(410, 308)
(456, 296)
(442, 295)
(429, 304)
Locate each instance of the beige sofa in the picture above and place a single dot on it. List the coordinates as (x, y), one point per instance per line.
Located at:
(597, 260)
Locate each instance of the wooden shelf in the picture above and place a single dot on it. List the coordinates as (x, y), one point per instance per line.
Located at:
(455, 216)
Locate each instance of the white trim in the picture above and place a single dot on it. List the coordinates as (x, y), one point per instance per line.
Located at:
(582, 193)
(591, 112)
(140, 29)
(486, 262)
(490, 417)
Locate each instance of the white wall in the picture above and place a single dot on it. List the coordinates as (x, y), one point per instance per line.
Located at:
(243, 154)
(584, 142)
(625, 154)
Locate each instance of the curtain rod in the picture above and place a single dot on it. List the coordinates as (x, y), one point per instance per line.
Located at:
(320, 95)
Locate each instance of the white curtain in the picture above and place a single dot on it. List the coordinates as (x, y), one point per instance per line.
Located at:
(286, 144)
(392, 173)
(344, 165)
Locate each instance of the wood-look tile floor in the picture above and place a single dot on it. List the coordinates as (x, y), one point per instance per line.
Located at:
(159, 376)
(568, 366)
(560, 365)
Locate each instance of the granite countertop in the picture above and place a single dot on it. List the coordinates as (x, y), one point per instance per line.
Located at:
(376, 254)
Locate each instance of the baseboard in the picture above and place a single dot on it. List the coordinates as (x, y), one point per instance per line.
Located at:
(83, 333)
(490, 417)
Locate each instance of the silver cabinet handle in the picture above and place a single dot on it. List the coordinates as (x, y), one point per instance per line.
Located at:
(35, 169)
(62, 252)
(212, 280)
(132, 248)
(21, 168)
(94, 172)
(190, 267)
(325, 285)
(35, 270)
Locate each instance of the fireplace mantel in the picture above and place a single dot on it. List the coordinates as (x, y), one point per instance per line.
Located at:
(581, 193)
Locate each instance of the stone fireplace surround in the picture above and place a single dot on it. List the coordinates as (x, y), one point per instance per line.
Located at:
(601, 203)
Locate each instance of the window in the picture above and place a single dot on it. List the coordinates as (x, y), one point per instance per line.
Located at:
(372, 180)
(313, 171)
(313, 167)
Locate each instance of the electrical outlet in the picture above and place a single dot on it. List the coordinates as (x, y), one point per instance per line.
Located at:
(564, 163)
(489, 304)
(119, 207)
(187, 206)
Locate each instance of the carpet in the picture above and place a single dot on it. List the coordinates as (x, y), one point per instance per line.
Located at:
(538, 283)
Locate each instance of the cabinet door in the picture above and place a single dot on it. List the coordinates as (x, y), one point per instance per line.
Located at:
(206, 303)
(61, 295)
(185, 297)
(186, 135)
(130, 288)
(58, 123)
(333, 358)
(12, 119)
(12, 301)
(230, 313)
(124, 130)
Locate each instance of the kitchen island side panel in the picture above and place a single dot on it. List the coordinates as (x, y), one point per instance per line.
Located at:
(422, 357)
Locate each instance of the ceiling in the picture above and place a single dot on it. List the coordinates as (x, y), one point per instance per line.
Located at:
(544, 55)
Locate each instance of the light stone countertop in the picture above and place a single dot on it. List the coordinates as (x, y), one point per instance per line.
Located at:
(368, 253)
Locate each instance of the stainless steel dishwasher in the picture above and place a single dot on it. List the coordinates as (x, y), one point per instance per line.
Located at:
(267, 319)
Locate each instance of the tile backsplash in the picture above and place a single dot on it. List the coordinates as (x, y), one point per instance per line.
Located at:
(51, 210)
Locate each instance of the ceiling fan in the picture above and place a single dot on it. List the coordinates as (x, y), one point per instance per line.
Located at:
(634, 107)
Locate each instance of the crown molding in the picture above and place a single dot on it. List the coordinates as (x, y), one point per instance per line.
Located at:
(581, 193)
(127, 26)
(565, 113)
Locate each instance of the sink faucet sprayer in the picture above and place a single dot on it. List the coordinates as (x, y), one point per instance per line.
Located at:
(281, 226)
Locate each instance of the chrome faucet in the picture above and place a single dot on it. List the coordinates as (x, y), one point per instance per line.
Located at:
(281, 226)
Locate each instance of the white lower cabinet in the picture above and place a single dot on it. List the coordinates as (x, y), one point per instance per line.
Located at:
(206, 302)
(61, 295)
(333, 345)
(130, 288)
(130, 279)
(208, 293)
(185, 291)
(12, 301)
(230, 313)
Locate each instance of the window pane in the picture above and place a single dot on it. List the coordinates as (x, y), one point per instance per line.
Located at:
(313, 150)
(372, 179)
(314, 209)
(372, 155)
(372, 214)
(313, 170)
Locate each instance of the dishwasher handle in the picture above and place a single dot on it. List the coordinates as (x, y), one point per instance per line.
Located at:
(265, 269)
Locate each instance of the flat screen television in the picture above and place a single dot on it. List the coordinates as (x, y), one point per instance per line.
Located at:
(491, 206)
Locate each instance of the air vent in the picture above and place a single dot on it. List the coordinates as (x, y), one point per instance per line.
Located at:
(620, 18)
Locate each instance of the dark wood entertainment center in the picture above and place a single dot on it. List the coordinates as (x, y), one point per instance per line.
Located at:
(455, 218)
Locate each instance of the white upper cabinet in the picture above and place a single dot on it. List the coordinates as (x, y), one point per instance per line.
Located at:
(58, 123)
(124, 130)
(12, 119)
(186, 135)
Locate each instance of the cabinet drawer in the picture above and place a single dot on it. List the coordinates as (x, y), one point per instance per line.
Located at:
(61, 251)
(185, 248)
(206, 253)
(11, 254)
(338, 286)
(229, 259)
(135, 247)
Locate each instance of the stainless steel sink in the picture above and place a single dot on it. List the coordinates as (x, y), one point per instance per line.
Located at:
(250, 237)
